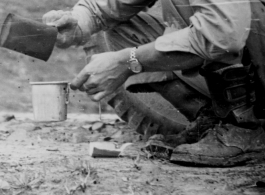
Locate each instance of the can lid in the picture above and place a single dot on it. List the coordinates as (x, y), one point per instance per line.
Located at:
(50, 83)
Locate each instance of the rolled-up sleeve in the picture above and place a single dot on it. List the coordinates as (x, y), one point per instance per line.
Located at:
(217, 27)
(96, 15)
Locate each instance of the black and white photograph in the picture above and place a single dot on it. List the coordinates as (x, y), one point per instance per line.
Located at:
(132, 97)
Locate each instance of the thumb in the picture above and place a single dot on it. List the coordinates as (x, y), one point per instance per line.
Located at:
(63, 22)
(52, 16)
(51, 24)
(99, 96)
(79, 80)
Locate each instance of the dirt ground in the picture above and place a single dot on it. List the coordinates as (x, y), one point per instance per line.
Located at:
(52, 159)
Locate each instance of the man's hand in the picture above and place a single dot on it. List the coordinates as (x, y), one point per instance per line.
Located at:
(104, 74)
(69, 31)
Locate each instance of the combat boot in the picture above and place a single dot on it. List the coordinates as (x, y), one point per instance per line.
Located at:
(239, 136)
(224, 145)
(197, 128)
(192, 104)
(195, 106)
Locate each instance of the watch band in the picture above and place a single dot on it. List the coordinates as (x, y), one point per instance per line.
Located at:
(134, 64)
(133, 54)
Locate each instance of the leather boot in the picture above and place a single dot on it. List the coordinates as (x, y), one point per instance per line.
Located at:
(192, 104)
(194, 131)
(162, 146)
(224, 145)
(239, 137)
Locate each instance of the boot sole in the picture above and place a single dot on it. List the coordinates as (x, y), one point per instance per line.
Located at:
(142, 116)
(159, 149)
(191, 160)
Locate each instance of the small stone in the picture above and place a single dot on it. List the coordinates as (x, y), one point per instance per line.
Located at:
(210, 181)
(117, 135)
(158, 137)
(87, 127)
(27, 126)
(84, 138)
(13, 164)
(125, 179)
(56, 180)
(94, 138)
(227, 187)
(117, 120)
(7, 118)
(107, 139)
(79, 138)
(109, 129)
(98, 126)
(4, 185)
(53, 149)
(36, 128)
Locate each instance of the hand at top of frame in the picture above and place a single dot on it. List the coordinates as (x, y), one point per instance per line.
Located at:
(69, 33)
(104, 74)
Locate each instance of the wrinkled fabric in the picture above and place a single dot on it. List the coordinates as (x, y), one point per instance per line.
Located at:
(216, 29)
(137, 31)
(256, 47)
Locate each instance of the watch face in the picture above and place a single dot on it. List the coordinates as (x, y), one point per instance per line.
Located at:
(135, 67)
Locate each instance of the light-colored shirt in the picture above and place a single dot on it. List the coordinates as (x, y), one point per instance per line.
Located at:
(215, 30)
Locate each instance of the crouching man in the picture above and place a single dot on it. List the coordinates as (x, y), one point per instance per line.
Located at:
(195, 57)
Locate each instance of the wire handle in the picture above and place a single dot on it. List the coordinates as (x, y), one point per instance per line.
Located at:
(67, 92)
(99, 111)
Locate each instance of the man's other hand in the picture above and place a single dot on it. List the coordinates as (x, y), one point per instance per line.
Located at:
(68, 29)
(104, 74)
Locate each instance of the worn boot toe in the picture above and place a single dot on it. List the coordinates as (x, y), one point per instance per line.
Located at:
(223, 146)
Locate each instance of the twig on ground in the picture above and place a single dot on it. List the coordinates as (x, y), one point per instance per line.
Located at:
(136, 162)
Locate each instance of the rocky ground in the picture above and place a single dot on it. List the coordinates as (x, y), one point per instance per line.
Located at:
(52, 159)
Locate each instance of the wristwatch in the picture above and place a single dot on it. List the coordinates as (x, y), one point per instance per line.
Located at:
(134, 64)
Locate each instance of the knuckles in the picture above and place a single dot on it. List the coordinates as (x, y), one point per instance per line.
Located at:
(50, 16)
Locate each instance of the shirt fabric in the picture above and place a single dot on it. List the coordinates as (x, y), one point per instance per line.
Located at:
(215, 30)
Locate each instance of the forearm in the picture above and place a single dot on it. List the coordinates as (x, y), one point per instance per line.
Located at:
(153, 60)
(112, 12)
(87, 23)
(96, 15)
